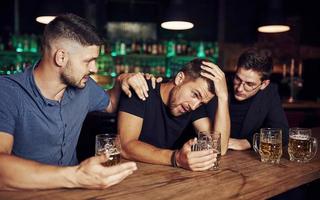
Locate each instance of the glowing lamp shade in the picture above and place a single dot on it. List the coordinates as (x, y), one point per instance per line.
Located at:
(45, 19)
(273, 20)
(177, 25)
(48, 10)
(176, 16)
(273, 28)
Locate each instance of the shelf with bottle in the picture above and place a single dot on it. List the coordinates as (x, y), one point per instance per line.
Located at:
(106, 69)
(162, 58)
(12, 62)
(166, 48)
(18, 53)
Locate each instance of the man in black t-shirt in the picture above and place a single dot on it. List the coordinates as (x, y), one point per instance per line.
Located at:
(254, 101)
(150, 129)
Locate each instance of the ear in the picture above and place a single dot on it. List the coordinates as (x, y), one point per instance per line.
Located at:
(264, 84)
(179, 78)
(61, 57)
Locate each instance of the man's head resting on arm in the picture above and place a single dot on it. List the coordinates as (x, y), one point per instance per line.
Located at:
(190, 90)
(72, 44)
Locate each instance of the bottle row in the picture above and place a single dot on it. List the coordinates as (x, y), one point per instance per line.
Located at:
(30, 43)
(111, 66)
(21, 43)
(14, 68)
(168, 48)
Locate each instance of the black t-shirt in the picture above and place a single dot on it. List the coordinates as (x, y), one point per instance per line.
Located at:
(238, 112)
(160, 128)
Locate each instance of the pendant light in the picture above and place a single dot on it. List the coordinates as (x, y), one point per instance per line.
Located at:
(273, 20)
(176, 16)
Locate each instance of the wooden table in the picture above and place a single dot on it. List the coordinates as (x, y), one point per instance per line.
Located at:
(242, 176)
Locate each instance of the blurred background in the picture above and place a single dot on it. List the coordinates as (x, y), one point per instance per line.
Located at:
(222, 29)
(136, 42)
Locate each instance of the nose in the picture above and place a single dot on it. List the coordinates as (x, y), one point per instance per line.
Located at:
(240, 87)
(195, 105)
(93, 68)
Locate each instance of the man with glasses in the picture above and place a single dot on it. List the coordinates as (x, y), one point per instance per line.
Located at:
(254, 101)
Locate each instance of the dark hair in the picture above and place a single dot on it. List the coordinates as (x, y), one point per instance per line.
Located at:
(72, 27)
(258, 60)
(192, 70)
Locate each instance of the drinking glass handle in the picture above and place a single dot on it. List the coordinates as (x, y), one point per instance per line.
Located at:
(314, 148)
(255, 143)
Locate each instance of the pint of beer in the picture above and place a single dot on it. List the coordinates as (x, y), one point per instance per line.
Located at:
(108, 144)
(270, 145)
(302, 147)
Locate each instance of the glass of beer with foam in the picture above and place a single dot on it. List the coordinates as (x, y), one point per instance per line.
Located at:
(269, 146)
(302, 147)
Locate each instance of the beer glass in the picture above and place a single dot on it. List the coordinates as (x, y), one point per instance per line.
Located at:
(108, 144)
(302, 147)
(209, 140)
(270, 144)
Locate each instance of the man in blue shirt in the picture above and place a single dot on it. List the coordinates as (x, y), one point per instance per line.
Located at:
(42, 111)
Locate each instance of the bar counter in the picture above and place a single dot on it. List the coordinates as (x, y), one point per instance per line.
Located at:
(242, 176)
(301, 104)
(302, 113)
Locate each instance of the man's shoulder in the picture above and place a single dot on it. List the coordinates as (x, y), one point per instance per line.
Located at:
(271, 89)
(269, 95)
(153, 94)
(10, 91)
(8, 83)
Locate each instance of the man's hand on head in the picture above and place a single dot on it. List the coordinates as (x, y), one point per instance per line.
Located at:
(214, 73)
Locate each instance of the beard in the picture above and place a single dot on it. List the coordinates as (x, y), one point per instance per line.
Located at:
(172, 105)
(69, 80)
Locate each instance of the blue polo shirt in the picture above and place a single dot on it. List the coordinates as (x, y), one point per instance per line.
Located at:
(45, 130)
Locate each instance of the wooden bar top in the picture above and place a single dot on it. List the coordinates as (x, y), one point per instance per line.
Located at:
(242, 176)
(301, 104)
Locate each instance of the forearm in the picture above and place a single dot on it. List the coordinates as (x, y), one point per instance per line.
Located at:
(222, 123)
(18, 173)
(239, 144)
(114, 95)
(140, 151)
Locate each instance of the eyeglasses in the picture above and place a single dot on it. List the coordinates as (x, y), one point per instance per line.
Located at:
(247, 86)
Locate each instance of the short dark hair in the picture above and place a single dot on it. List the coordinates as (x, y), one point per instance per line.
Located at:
(72, 27)
(192, 70)
(258, 60)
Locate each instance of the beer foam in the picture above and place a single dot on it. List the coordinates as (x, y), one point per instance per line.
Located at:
(299, 137)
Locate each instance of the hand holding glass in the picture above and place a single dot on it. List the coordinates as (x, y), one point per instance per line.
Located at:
(209, 140)
(108, 144)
